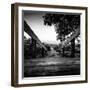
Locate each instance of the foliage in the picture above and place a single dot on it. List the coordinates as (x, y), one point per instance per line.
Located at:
(64, 23)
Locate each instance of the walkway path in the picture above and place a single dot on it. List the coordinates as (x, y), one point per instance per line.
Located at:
(51, 66)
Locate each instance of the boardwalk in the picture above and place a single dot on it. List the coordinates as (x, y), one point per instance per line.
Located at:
(51, 66)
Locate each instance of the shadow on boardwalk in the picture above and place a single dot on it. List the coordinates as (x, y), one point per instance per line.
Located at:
(51, 66)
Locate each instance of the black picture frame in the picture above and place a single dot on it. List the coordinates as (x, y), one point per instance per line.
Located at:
(15, 43)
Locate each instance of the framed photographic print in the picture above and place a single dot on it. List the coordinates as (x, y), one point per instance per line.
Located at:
(48, 44)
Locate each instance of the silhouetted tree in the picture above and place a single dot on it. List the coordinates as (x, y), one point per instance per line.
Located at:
(65, 24)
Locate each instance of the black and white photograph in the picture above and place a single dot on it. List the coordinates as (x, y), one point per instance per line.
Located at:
(51, 44)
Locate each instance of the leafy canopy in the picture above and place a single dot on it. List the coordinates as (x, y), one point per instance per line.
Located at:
(64, 23)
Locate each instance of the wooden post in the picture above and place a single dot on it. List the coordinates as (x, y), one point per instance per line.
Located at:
(33, 45)
(73, 47)
(43, 52)
(63, 52)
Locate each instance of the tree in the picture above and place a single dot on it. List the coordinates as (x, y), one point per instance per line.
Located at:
(65, 24)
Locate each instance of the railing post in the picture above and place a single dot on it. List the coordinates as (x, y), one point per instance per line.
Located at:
(33, 46)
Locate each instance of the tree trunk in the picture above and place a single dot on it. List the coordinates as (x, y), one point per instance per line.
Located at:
(73, 47)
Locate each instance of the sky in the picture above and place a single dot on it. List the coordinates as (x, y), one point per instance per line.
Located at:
(45, 33)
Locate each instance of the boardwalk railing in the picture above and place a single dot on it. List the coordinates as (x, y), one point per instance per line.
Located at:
(72, 36)
(30, 32)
